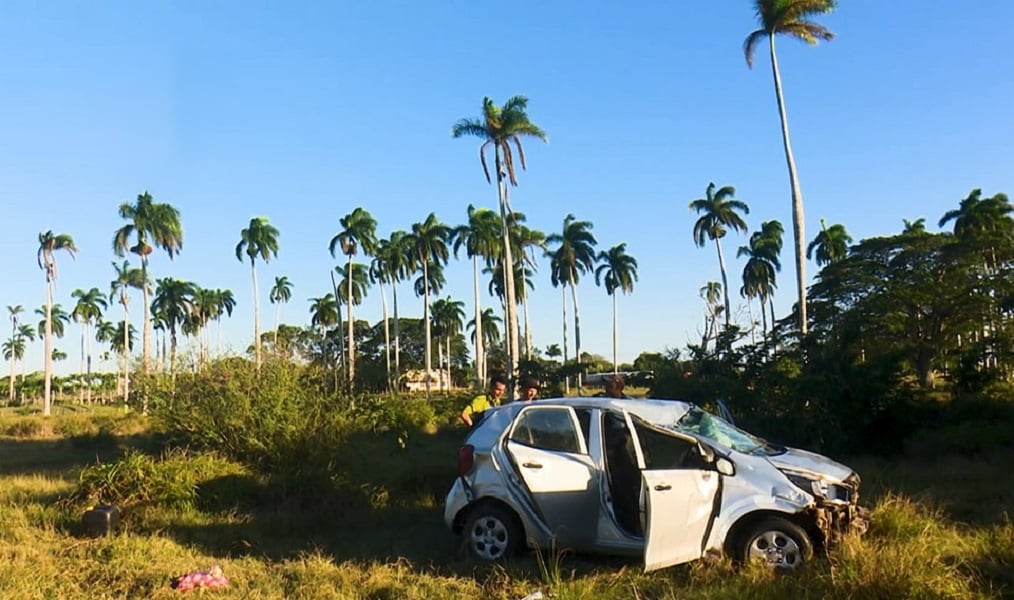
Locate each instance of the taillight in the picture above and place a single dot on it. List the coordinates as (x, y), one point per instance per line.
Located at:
(466, 459)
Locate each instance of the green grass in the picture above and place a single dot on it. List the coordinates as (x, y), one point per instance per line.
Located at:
(372, 528)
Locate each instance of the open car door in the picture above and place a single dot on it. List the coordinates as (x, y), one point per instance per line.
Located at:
(679, 494)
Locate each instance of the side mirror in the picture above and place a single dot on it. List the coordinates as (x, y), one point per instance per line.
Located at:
(725, 467)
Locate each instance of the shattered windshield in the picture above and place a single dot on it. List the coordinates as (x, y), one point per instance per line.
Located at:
(704, 424)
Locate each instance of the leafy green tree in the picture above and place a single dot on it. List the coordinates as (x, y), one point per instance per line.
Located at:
(152, 225)
(13, 312)
(260, 238)
(428, 241)
(617, 271)
(280, 292)
(480, 239)
(174, 299)
(573, 256)
(499, 127)
(830, 245)
(126, 278)
(88, 309)
(719, 213)
(49, 244)
(791, 18)
(983, 222)
(359, 231)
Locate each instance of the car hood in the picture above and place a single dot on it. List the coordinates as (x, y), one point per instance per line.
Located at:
(794, 459)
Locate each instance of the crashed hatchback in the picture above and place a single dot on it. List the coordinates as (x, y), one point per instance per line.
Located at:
(659, 478)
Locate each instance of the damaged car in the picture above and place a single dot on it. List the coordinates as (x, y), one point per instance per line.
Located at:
(660, 479)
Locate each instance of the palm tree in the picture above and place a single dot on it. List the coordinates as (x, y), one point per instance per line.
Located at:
(401, 265)
(830, 245)
(13, 312)
(448, 320)
(49, 244)
(381, 273)
(617, 270)
(324, 315)
(126, 278)
(152, 225)
(260, 238)
(280, 292)
(174, 299)
(763, 261)
(352, 286)
(27, 332)
(574, 256)
(985, 218)
(525, 241)
(89, 308)
(719, 215)
(428, 241)
(479, 237)
(791, 18)
(499, 127)
(488, 328)
(359, 231)
(711, 293)
(14, 350)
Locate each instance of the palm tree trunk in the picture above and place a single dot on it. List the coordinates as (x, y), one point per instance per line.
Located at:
(278, 311)
(513, 345)
(88, 362)
(387, 335)
(616, 334)
(126, 356)
(566, 379)
(725, 281)
(528, 330)
(14, 357)
(352, 334)
(257, 319)
(397, 339)
(798, 228)
(480, 351)
(426, 319)
(47, 392)
(81, 369)
(577, 334)
(146, 356)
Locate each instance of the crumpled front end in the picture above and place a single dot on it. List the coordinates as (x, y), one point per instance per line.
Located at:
(837, 512)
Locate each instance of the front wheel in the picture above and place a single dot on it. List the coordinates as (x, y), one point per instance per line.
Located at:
(775, 542)
(492, 533)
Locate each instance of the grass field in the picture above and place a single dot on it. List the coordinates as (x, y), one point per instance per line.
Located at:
(374, 529)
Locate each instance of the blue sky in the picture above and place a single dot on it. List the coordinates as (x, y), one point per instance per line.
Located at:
(301, 112)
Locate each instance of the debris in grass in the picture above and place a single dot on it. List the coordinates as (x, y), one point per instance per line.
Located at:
(213, 578)
(536, 595)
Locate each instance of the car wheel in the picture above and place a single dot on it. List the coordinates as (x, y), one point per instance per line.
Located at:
(492, 533)
(776, 542)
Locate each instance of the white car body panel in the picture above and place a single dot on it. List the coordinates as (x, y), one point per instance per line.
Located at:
(680, 504)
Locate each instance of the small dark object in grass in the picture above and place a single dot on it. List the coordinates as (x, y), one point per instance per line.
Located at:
(101, 520)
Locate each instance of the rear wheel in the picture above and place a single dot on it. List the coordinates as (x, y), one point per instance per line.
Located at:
(492, 533)
(776, 542)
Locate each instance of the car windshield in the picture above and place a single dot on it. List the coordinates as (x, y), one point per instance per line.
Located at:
(704, 424)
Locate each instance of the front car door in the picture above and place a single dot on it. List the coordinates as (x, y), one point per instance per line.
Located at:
(680, 493)
(550, 454)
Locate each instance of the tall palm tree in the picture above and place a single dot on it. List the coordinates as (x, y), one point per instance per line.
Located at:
(174, 299)
(480, 238)
(711, 293)
(89, 308)
(574, 255)
(59, 320)
(428, 241)
(26, 332)
(448, 317)
(260, 238)
(359, 232)
(830, 245)
(280, 292)
(380, 273)
(324, 315)
(763, 261)
(401, 265)
(49, 244)
(526, 241)
(982, 218)
(791, 18)
(353, 281)
(126, 278)
(489, 330)
(617, 270)
(14, 350)
(498, 127)
(13, 312)
(152, 225)
(719, 212)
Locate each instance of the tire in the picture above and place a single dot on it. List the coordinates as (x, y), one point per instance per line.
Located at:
(492, 533)
(776, 542)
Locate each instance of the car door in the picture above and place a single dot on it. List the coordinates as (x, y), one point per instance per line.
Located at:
(680, 494)
(550, 456)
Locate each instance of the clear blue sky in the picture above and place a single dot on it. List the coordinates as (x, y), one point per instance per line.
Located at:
(301, 112)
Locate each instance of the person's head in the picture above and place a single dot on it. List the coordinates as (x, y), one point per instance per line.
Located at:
(497, 386)
(613, 385)
(529, 389)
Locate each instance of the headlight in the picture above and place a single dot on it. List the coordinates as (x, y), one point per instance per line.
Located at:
(820, 488)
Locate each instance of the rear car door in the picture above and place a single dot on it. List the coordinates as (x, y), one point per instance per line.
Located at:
(680, 493)
(550, 455)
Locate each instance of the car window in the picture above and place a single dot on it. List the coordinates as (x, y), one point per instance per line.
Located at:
(584, 418)
(664, 451)
(548, 429)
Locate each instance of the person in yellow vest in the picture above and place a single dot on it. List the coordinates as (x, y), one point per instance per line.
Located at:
(490, 398)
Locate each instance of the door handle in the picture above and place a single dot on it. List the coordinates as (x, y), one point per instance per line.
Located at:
(532, 465)
(662, 487)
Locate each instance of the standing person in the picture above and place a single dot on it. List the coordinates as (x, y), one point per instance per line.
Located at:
(612, 387)
(529, 389)
(490, 398)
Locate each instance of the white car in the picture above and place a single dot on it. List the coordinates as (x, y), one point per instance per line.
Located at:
(659, 478)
